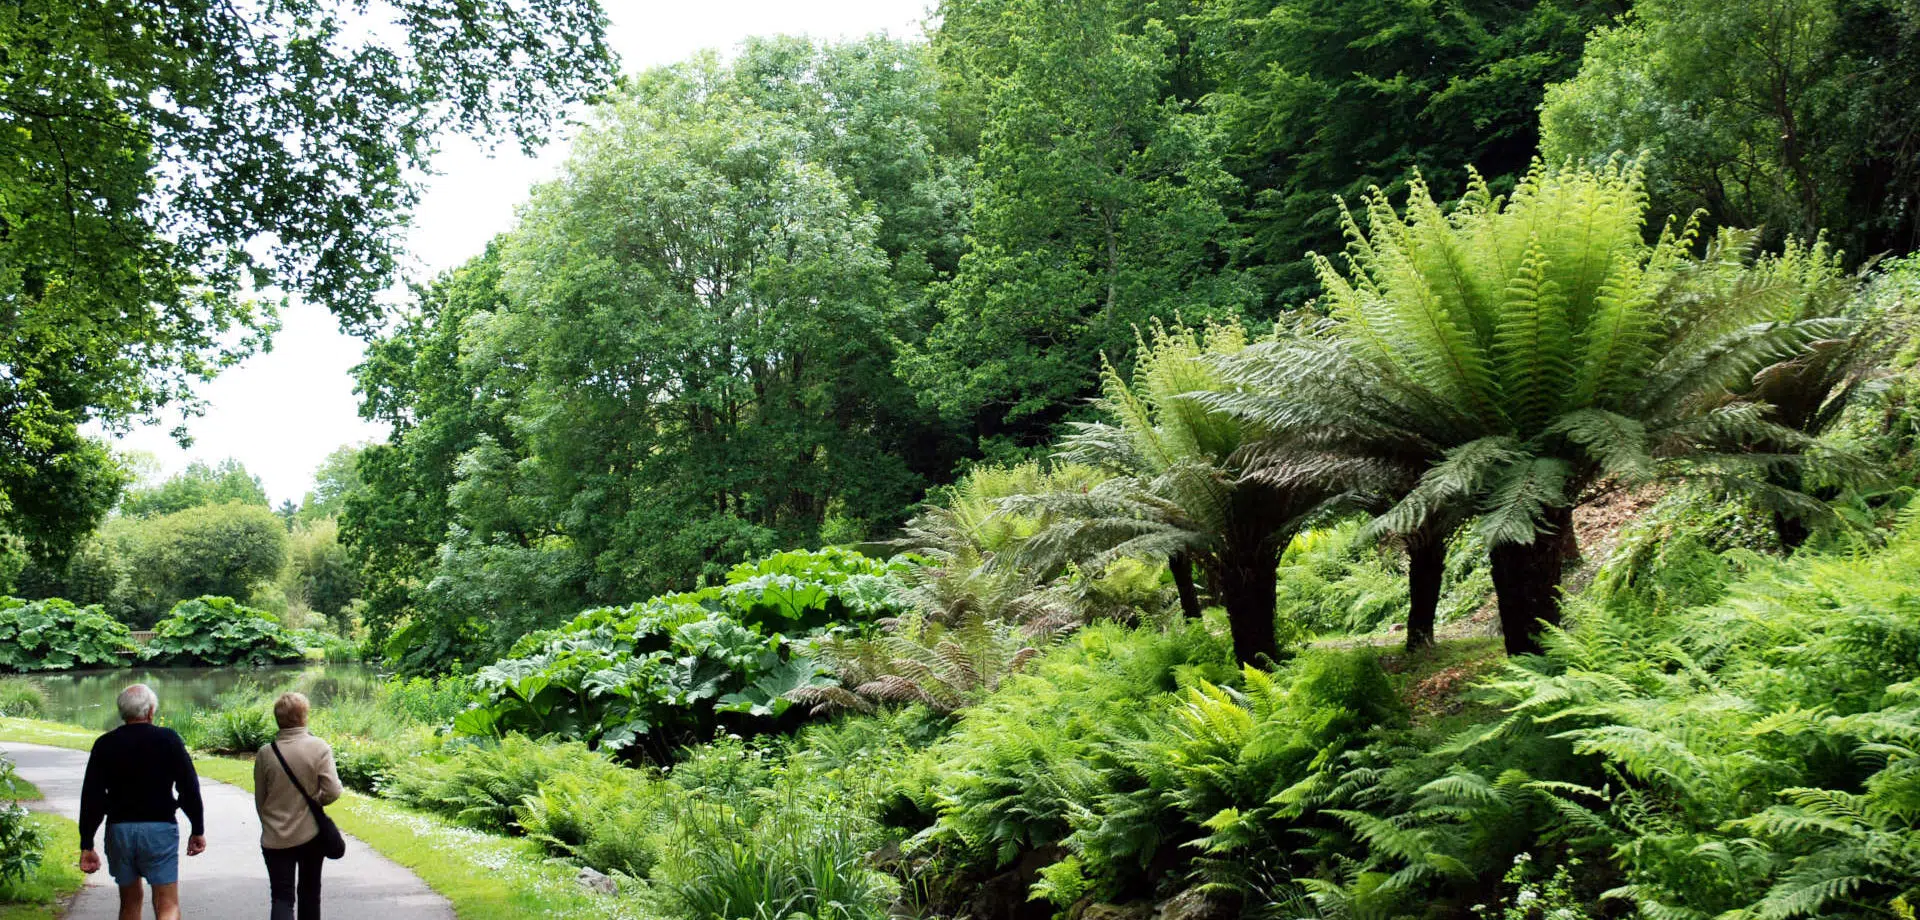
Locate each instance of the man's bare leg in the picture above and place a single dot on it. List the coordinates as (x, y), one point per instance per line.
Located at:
(130, 897)
(166, 902)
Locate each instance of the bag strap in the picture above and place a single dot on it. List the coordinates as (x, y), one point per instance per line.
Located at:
(296, 780)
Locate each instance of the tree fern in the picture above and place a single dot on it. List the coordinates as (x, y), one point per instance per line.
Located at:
(1546, 327)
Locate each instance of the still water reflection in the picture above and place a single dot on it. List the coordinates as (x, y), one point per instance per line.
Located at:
(86, 697)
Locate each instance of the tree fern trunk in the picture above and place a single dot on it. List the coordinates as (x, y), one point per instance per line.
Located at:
(1791, 530)
(1247, 591)
(1526, 580)
(1426, 564)
(1182, 568)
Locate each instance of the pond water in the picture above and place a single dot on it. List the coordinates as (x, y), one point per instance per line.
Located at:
(86, 697)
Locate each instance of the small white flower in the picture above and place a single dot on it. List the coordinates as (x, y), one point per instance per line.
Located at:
(1525, 897)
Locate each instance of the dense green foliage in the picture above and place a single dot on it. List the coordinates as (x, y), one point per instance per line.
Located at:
(537, 468)
(1325, 99)
(1051, 270)
(221, 550)
(1782, 115)
(198, 484)
(21, 841)
(21, 698)
(206, 530)
(218, 631)
(1101, 207)
(54, 634)
(674, 666)
(1514, 353)
(166, 162)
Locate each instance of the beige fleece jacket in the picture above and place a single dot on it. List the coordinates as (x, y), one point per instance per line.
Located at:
(284, 819)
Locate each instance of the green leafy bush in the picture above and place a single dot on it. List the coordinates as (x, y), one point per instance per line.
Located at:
(22, 698)
(364, 766)
(789, 858)
(426, 700)
(54, 635)
(800, 590)
(239, 730)
(612, 822)
(21, 841)
(1755, 758)
(239, 721)
(676, 666)
(218, 632)
(1024, 767)
(481, 785)
(324, 644)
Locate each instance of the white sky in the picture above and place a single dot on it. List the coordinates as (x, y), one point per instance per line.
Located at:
(282, 413)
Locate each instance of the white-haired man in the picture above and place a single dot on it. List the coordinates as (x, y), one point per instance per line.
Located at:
(132, 779)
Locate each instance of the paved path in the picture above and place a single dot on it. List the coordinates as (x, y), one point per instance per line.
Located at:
(229, 880)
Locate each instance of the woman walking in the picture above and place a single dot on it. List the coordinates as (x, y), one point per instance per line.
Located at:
(286, 773)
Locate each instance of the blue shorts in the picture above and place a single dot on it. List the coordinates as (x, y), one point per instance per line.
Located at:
(144, 849)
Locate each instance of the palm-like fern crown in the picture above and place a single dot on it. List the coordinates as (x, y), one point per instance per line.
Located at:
(1524, 346)
(1508, 313)
(1178, 461)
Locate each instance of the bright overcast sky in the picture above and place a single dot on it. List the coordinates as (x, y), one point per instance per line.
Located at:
(282, 413)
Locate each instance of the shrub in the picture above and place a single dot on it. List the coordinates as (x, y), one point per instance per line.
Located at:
(481, 785)
(1754, 758)
(663, 670)
(241, 730)
(676, 666)
(363, 766)
(805, 590)
(21, 841)
(211, 550)
(610, 822)
(426, 700)
(325, 645)
(22, 698)
(239, 721)
(218, 632)
(1020, 768)
(54, 635)
(794, 858)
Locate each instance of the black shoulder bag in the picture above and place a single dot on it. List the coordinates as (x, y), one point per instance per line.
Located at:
(332, 844)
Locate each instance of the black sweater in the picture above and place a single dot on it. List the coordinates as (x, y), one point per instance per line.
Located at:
(131, 777)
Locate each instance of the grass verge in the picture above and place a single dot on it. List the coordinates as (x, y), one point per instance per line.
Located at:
(41, 895)
(486, 877)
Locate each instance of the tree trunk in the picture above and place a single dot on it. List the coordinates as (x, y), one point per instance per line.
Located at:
(1182, 568)
(1247, 589)
(1426, 564)
(1791, 530)
(1526, 580)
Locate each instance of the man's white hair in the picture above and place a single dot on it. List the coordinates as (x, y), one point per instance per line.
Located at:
(137, 703)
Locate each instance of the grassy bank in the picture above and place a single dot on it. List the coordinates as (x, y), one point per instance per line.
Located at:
(484, 876)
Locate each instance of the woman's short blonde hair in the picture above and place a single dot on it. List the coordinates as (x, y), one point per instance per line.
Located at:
(290, 710)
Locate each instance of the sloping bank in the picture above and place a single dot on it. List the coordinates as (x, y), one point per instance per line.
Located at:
(485, 877)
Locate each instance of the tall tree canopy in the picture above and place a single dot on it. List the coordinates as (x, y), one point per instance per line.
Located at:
(1793, 115)
(198, 484)
(1323, 99)
(165, 160)
(683, 355)
(1101, 208)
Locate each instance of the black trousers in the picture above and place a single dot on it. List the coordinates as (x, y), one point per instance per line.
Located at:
(293, 875)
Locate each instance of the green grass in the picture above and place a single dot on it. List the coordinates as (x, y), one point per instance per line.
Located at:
(486, 877)
(51, 734)
(40, 895)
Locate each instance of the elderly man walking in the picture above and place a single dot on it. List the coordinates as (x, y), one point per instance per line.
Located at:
(137, 776)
